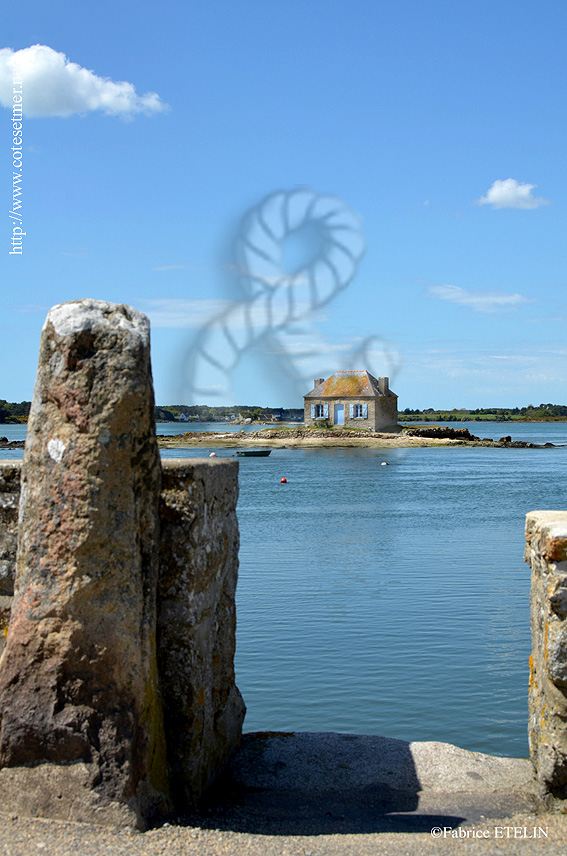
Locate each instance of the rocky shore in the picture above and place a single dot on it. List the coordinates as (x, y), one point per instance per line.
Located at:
(11, 444)
(341, 438)
(301, 437)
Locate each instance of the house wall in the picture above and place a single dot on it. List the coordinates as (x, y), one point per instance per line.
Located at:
(387, 413)
(382, 412)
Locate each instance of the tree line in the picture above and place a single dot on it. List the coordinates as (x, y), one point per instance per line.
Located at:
(12, 412)
(531, 413)
(204, 413)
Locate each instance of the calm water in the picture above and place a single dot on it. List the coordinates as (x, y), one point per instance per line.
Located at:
(391, 600)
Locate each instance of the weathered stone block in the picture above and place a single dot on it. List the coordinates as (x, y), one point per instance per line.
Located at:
(78, 677)
(9, 501)
(546, 553)
(203, 708)
(196, 617)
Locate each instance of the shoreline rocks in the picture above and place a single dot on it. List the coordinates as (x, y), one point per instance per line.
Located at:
(298, 437)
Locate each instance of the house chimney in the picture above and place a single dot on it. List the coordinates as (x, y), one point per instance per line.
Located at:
(318, 380)
(383, 385)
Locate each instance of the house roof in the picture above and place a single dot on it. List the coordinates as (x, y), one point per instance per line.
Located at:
(348, 384)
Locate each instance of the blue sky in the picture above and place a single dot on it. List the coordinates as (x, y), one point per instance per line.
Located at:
(287, 189)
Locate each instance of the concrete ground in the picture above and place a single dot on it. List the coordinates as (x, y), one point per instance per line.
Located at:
(309, 794)
(328, 783)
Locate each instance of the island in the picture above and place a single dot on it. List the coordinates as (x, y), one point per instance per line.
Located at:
(302, 437)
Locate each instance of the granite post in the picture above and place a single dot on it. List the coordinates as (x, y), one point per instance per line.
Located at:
(546, 553)
(81, 726)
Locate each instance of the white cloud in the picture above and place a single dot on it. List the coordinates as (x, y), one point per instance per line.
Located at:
(499, 370)
(54, 86)
(257, 315)
(515, 358)
(31, 307)
(509, 193)
(480, 301)
(181, 313)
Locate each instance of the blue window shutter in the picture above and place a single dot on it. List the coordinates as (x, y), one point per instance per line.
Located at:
(351, 411)
(326, 411)
(365, 410)
(312, 411)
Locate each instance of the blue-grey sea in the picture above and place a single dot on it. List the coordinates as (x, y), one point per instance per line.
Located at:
(394, 599)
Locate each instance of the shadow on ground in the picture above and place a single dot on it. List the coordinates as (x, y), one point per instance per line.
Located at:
(328, 783)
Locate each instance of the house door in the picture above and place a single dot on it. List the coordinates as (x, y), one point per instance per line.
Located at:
(339, 414)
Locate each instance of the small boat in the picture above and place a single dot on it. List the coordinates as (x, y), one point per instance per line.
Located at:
(253, 453)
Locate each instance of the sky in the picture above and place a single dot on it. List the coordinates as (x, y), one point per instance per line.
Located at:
(291, 188)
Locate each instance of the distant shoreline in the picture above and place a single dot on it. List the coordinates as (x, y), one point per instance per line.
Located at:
(298, 436)
(253, 438)
(407, 419)
(306, 438)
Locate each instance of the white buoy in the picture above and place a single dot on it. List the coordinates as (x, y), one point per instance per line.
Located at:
(384, 464)
(213, 455)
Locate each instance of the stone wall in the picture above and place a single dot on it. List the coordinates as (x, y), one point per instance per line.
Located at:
(546, 553)
(196, 614)
(10, 472)
(198, 562)
(382, 412)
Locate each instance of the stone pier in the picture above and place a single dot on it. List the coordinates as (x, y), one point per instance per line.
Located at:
(9, 502)
(203, 708)
(83, 694)
(546, 553)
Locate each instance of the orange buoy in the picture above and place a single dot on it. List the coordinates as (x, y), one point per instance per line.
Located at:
(283, 481)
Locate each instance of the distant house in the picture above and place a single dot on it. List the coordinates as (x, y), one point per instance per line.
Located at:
(288, 415)
(352, 398)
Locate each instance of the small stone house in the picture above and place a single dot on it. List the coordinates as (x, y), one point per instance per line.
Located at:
(354, 399)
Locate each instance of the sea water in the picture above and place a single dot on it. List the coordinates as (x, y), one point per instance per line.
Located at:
(393, 599)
